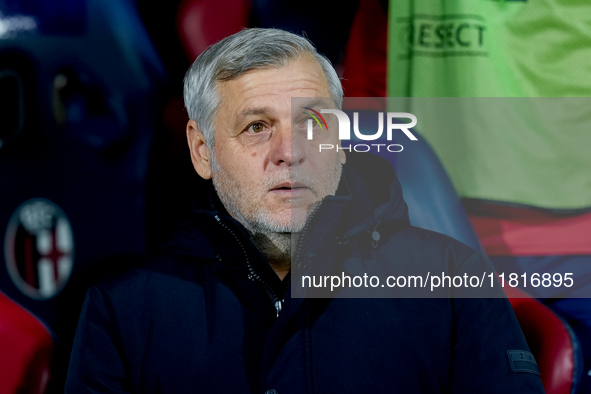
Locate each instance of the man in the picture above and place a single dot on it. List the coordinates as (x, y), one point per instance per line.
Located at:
(212, 311)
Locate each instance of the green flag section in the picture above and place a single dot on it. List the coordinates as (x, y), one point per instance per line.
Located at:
(494, 143)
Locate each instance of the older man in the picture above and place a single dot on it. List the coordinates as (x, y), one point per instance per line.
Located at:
(212, 312)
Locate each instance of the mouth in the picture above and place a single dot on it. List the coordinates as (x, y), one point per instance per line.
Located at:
(289, 189)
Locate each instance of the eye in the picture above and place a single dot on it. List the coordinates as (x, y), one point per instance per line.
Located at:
(256, 128)
(303, 124)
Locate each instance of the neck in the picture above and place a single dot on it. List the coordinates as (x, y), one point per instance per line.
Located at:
(276, 247)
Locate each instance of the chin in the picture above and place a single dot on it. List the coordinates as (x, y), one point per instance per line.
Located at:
(286, 221)
(297, 218)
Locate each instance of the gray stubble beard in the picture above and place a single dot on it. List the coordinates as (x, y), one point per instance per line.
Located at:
(274, 240)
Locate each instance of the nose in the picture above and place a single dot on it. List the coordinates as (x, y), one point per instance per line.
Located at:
(287, 148)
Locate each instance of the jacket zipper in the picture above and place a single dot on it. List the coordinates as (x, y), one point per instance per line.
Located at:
(252, 275)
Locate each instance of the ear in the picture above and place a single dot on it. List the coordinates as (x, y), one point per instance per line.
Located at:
(342, 156)
(200, 155)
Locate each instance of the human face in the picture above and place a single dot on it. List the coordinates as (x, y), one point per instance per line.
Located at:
(269, 176)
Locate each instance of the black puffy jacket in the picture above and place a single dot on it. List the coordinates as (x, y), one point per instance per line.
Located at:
(200, 316)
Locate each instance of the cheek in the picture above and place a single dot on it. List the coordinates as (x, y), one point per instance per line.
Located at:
(233, 153)
(230, 157)
(241, 167)
(324, 158)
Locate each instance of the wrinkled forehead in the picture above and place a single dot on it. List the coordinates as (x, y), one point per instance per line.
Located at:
(302, 80)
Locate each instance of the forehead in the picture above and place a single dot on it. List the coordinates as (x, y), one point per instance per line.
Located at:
(301, 77)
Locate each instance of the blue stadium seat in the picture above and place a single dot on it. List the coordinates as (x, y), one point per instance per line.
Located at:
(80, 87)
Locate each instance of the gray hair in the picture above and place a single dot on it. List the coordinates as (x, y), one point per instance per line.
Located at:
(235, 55)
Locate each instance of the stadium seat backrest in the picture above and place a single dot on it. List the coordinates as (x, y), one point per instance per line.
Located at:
(81, 80)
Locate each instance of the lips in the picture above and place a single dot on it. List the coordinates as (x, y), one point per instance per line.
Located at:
(289, 186)
(289, 189)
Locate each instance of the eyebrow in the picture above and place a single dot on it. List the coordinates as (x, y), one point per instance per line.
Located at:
(254, 111)
(251, 112)
(319, 102)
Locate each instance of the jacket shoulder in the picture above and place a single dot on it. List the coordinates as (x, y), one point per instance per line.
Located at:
(152, 272)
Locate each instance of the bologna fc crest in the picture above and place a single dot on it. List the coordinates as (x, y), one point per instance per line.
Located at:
(39, 248)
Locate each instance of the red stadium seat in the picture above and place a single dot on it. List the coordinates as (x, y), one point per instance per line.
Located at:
(201, 23)
(550, 340)
(26, 352)
(366, 52)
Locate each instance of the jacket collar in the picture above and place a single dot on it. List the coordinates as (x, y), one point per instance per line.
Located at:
(369, 198)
